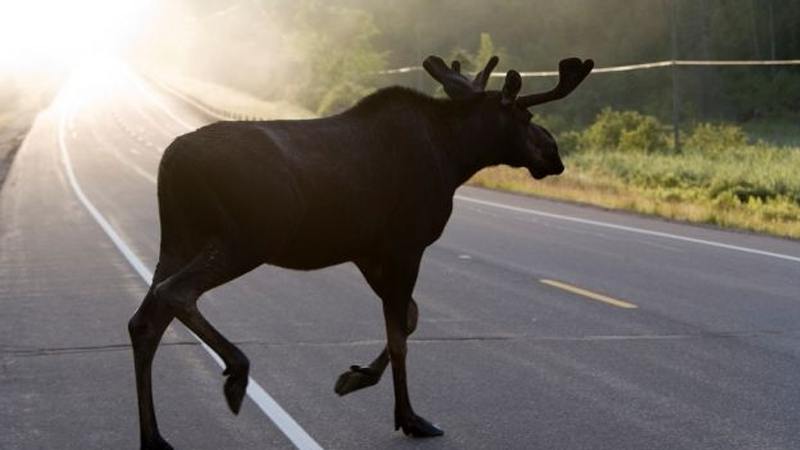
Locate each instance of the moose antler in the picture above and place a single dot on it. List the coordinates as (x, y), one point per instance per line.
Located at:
(511, 87)
(482, 77)
(571, 72)
(456, 85)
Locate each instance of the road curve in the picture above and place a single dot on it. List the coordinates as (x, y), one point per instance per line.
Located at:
(516, 346)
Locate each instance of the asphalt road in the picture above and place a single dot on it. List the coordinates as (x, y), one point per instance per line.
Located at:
(508, 355)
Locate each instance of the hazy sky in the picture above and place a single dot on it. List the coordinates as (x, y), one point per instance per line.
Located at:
(35, 32)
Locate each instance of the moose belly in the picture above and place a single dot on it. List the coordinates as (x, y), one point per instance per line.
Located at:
(321, 244)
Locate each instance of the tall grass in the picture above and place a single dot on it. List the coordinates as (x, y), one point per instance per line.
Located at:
(719, 178)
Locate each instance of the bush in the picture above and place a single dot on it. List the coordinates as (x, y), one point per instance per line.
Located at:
(626, 131)
(715, 138)
(569, 142)
(648, 136)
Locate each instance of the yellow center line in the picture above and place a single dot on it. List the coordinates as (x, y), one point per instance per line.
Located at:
(589, 294)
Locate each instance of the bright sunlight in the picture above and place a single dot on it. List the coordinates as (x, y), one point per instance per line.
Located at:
(48, 32)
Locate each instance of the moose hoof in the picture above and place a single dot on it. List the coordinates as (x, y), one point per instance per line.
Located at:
(356, 378)
(417, 427)
(158, 444)
(235, 388)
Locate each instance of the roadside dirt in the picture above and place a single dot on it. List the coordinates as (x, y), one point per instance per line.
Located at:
(12, 133)
(23, 93)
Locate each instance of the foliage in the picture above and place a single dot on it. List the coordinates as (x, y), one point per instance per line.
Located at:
(335, 75)
(625, 131)
(718, 178)
(318, 54)
(473, 62)
(750, 187)
(715, 138)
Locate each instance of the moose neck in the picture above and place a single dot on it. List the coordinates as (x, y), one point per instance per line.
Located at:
(464, 140)
(473, 143)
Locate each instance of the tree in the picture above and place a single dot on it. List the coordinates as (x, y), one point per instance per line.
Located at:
(335, 63)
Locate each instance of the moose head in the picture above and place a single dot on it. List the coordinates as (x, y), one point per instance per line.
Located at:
(523, 143)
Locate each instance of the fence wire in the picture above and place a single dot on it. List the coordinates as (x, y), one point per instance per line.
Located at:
(631, 67)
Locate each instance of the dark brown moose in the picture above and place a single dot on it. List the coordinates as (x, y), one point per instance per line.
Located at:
(373, 185)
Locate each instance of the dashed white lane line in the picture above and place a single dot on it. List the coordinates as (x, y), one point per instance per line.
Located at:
(282, 420)
(643, 231)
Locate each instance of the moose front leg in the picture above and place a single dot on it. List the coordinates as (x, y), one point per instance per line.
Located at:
(400, 278)
(360, 377)
(395, 313)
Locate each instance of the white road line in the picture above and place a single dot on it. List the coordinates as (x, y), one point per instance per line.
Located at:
(265, 402)
(153, 98)
(612, 226)
(184, 98)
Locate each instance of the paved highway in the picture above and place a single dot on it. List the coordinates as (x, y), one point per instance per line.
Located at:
(542, 325)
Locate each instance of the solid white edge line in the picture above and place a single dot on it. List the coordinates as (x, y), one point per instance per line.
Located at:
(282, 420)
(629, 229)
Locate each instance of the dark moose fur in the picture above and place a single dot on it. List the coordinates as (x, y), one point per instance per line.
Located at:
(373, 186)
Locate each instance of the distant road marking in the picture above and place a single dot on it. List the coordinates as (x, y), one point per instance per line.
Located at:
(589, 294)
(630, 229)
(152, 97)
(282, 420)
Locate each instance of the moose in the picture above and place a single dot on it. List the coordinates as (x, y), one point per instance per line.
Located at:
(373, 185)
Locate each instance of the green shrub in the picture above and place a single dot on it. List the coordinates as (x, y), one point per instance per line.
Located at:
(715, 138)
(569, 142)
(648, 136)
(626, 131)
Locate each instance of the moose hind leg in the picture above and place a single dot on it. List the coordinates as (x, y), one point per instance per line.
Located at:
(360, 377)
(215, 265)
(146, 328)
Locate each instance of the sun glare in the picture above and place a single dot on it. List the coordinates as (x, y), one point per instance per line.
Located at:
(63, 32)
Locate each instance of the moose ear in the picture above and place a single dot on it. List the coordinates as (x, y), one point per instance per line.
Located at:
(511, 88)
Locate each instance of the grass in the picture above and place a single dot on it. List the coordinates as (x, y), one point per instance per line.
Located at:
(754, 188)
(722, 176)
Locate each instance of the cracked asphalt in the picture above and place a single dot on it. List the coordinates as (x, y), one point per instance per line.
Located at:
(709, 359)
